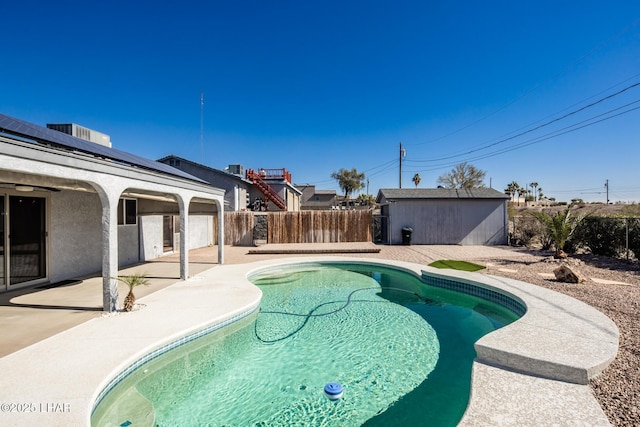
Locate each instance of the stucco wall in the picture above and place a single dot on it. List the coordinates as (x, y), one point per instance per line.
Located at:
(128, 244)
(75, 234)
(151, 227)
(450, 222)
(200, 231)
(200, 234)
(151, 236)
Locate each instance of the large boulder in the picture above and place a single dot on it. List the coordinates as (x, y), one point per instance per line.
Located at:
(566, 274)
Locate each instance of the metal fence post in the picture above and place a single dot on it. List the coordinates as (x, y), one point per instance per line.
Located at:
(626, 220)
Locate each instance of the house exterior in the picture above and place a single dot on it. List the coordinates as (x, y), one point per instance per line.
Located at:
(71, 207)
(312, 199)
(272, 190)
(237, 188)
(443, 216)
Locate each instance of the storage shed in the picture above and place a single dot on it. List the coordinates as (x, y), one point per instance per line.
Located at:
(444, 216)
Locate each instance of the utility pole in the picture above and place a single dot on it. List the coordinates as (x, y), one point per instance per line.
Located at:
(403, 154)
(606, 185)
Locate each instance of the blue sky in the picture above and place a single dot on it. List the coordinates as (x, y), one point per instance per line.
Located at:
(317, 86)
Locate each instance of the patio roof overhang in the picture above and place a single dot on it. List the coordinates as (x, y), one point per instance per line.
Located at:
(25, 164)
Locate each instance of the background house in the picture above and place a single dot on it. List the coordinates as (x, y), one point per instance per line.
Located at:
(269, 189)
(312, 199)
(442, 216)
(232, 180)
(273, 188)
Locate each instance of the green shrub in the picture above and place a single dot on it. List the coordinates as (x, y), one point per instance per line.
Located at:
(601, 235)
(524, 231)
(546, 240)
(634, 236)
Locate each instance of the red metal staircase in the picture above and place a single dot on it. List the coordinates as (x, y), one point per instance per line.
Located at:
(258, 179)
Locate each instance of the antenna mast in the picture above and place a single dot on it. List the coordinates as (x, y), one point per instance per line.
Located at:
(201, 127)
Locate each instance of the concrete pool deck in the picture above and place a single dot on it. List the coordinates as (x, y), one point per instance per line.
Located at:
(59, 377)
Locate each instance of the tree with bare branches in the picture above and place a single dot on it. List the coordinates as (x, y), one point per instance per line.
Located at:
(463, 175)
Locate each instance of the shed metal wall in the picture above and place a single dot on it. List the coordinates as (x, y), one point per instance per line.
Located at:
(450, 222)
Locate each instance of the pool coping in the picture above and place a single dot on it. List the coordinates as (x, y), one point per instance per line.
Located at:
(538, 365)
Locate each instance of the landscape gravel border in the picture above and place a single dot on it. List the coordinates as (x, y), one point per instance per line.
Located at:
(617, 389)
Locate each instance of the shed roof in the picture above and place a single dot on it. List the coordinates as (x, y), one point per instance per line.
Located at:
(439, 193)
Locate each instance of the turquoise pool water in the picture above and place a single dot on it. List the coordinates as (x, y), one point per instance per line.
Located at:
(402, 350)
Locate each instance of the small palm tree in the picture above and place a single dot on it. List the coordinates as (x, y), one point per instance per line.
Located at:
(559, 228)
(416, 179)
(132, 281)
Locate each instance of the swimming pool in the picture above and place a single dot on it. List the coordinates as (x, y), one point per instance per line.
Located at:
(402, 348)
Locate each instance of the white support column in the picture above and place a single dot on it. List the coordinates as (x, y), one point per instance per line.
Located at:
(109, 199)
(183, 204)
(220, 207)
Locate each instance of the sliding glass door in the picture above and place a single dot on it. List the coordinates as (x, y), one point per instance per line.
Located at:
(26, 239)
(3, 218)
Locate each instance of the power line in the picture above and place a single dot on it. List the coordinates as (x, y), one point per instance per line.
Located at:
(563, 131)
(459, 154)
(596, 48)
(386, 165)
(565, 116)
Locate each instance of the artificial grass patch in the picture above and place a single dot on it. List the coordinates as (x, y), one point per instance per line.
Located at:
(456, 265)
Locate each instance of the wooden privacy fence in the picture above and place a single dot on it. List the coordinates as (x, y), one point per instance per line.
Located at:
(238, 228)
(243, 228)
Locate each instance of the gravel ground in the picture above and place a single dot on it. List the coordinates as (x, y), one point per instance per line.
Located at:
(618, 387)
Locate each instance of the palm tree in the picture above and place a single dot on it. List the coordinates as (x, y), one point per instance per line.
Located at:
(416, 179)
(520, 191)
(533, 186)
(559, 227)
(512, 189)
(132, 281)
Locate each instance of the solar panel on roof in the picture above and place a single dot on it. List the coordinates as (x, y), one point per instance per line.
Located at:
(42, 134)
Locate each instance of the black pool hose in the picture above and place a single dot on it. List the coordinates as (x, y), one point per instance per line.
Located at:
(311, 314)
